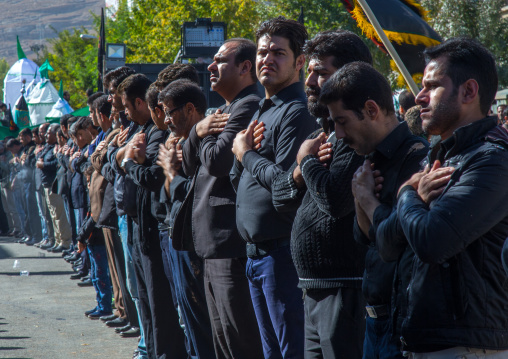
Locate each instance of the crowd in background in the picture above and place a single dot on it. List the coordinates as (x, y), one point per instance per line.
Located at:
(294, 223)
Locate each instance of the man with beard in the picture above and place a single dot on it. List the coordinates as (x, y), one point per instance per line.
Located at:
(272, 277)
(455, 213)
(207, 157)
(328, 261)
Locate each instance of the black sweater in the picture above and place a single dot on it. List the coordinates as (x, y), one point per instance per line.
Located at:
(323, 248)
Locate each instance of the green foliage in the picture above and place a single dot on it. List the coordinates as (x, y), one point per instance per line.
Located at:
(4, 68)
(479, 19)
(75, 63)
(151, 29)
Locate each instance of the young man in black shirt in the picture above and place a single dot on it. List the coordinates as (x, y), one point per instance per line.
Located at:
(272, 277)
(360, 103)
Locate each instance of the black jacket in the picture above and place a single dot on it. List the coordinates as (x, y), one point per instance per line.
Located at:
(48, 172)
(209, 161)
(457, 294)
(148, 177)
(324, 251)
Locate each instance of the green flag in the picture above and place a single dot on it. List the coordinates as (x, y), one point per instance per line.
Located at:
(21, 54)
(60, 92)
(44, 69)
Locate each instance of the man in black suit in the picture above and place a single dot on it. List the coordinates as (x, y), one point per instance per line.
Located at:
(208, 158)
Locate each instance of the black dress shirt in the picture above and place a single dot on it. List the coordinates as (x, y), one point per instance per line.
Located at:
(288, 123)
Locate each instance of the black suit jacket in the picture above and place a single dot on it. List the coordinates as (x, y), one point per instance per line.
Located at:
(212, 197)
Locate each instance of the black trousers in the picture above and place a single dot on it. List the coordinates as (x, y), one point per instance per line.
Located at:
(334, 323)
(164, 337)
(234, 325)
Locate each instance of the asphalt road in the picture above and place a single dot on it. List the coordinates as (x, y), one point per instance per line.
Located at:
(42, 314)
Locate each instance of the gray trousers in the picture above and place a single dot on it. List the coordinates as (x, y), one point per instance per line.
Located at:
(10, 209)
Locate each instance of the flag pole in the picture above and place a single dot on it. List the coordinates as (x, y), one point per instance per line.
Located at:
(389, 47)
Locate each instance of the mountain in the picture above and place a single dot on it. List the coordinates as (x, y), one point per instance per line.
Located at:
(32, 20)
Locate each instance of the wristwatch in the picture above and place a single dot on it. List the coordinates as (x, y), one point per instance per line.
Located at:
(124, 162)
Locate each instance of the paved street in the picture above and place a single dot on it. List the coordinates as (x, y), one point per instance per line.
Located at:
(41, 315)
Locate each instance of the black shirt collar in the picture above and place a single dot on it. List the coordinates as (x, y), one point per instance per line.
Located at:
(388, 147)
(291, 92)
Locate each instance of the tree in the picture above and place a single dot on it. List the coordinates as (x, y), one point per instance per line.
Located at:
(4, 68)
(479, 19)
(75, 62)
(151, 29)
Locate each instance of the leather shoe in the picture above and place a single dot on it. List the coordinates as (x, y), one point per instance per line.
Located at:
(107, 318)
(87, 277)
(49, 244)
(31, 242)
(97, 314)
(118, 322)
(78, 275)
(88, 312)
(86, 283)
(123, 329)
(58, 249)
(132, 332)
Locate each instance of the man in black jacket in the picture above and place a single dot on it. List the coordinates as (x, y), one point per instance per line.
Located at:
(207, 157)
(272, 277)
(47, 162)
(27, 159)
(456, 217)
(328, 261)
(163, 335)
(360, 103)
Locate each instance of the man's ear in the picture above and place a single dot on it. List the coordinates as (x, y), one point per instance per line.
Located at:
(189, 108)
(469, 91)
(300, 62)
(245, 67)
(371, 108)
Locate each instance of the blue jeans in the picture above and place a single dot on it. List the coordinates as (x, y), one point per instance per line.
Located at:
(47, 225)
(18, 202)
(32, 223)
(99, 273)
(277, 303)
(378, 343)
(132, 286)
(186, 269)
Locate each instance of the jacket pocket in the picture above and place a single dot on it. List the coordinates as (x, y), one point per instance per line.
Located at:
(214, 201)
(455, 287)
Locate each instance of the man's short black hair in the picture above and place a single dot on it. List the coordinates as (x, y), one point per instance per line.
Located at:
(12, 142)
(26, 132)
(92, 98)
(174, 72)
(468, 59)
(343, 45)
(103, 105)
(135, 86)
(35, 131)
(286, 28)
(152, 97)
(82, 123)
(60, 133)
(65, 119)
(116, 76)
(181, 92)
(245, 50)
(407, 100)
(354, 84)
